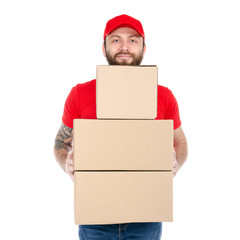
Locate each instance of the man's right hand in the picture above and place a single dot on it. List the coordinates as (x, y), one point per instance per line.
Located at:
(69, 164)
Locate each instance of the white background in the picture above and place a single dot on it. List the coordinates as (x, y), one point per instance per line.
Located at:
(47, 47)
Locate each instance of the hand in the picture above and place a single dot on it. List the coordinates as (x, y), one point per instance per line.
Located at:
(69, 164)
(175, 164)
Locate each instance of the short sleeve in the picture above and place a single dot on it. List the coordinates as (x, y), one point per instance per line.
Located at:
(71, 108)
(172, 111)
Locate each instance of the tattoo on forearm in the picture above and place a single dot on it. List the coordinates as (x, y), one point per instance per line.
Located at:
(64, 138)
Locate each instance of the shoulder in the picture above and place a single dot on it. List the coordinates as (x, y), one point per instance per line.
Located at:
(166, 98)
(86, 85)
(164, 93)
(83, 89)
(164, 90)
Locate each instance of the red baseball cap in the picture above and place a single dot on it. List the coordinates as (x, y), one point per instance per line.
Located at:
(123, 21)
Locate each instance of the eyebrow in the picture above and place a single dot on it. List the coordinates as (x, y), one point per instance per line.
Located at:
(137, 36)
(115, 36)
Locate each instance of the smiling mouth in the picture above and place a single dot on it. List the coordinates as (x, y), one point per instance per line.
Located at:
(124, 56)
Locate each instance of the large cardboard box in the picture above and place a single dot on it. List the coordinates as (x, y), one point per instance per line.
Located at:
(111, 197)
(126, 92)
(122, 171)
(123, 144)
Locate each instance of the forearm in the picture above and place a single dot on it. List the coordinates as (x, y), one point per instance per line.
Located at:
(63, 144)
(61, 152)
(181, 153)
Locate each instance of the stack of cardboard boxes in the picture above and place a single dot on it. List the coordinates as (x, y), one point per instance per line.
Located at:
(123, 160)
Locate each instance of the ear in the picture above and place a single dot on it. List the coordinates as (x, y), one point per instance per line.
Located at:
(144, 49)
(104, 51)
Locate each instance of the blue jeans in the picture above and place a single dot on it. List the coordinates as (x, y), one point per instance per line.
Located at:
(126, 231)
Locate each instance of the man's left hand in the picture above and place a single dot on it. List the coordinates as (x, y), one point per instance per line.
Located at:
(175, 164)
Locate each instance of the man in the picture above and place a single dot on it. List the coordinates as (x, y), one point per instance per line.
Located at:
(124, 44)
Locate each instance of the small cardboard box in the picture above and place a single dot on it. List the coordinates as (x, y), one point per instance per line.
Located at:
(126, 92)
(123, 144)
(113, 197)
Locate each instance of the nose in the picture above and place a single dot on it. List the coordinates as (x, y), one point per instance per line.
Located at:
(124, 46)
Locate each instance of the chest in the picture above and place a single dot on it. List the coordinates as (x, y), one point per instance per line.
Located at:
(89, 111)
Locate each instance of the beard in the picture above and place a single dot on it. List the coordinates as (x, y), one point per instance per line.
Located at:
(136, 60)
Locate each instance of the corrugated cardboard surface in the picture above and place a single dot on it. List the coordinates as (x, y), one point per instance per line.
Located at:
(126, 92)
(123, 144)
(121, 197)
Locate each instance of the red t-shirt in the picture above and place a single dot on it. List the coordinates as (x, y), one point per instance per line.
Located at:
(81, 103)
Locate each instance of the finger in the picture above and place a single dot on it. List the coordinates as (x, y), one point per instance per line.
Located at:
(69, 161)
(175, 164)
(70, 169)
(70, 158)
(72, 176)
(70, 153)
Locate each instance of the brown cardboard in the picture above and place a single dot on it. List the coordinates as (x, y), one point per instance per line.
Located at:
(126, 92)
(123, 144)
(122, 196)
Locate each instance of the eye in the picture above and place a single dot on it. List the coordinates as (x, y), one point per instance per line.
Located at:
(115, 40)
(133, 40)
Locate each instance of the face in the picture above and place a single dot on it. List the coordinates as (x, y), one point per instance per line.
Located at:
(124, 46)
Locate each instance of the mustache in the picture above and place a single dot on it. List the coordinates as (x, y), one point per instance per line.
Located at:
(124, 53)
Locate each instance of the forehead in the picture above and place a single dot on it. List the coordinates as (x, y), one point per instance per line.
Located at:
(124, 31)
